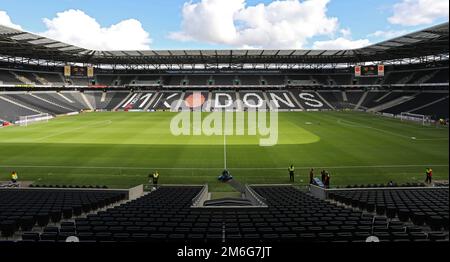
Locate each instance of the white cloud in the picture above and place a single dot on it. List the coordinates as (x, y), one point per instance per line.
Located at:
(346, 32)
(6, 21)
(77, 28)
(388, 34)
(419, 12)
(341, 43)
(280, 24)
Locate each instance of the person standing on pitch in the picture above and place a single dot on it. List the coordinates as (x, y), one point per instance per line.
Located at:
(154, 179)
(327, 181)
(311, 176)
(291, 170)
(324, 175)
(429, 174)
(14, 177)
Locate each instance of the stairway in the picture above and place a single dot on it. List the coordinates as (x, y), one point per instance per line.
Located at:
(41, 80)
(391, 104)
(22, 78)
(237, 186)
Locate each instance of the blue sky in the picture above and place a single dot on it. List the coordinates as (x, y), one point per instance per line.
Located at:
(161, 18)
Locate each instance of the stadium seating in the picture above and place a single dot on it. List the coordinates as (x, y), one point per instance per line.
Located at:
(429, 206)
(438, 110)
(11, 112)
(23, 209)
(31, 101)
(165, 215)
(418, 101)
(394, 76)
(7, 78)
(431, 102)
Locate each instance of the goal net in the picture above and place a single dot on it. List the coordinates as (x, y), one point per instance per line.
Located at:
(27, 120)
(422, 119)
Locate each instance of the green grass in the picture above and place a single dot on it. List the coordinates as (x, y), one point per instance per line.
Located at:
(120, 149)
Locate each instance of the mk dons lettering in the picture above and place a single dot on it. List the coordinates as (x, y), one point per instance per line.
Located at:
(136, 98)
(310, 101)
(225, 100)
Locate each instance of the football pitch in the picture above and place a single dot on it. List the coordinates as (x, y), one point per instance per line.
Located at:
(120, 149)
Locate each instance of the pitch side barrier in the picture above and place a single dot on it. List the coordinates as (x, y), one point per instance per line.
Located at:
(322, 193)
(131, 194)
(424, 121)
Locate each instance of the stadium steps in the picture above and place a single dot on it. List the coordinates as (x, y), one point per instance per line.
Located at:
(268, 100)
(361, 101)
(238, 98)
(41, 80)
(429, 104)
(296, 101)
(182, 98)
(406, 79)
(103, 98)
(123, 101)
(20, 105)
(386, 77)
(427, 77)
(208, 102)
(21, 78)
(66, 98)
(86, 101)
(383, 97)
(237, 186)
(62, 78)
(391, 104)
(156, 95)
(325, 101)
(344, 96)
(76, 96)
(50, 102)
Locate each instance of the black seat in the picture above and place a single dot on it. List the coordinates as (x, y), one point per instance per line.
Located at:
(52, 236)
(55, 215)
(391, 211)
(434, 236)
(8, 228)
(30, 236)
(67, 212)
(436, 223)
(43, 219)
(418, 218)
(26, 223)
(403, 215)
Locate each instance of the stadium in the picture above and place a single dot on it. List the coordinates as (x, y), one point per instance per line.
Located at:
(85, 130)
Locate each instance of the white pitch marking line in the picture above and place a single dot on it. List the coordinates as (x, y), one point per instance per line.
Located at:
(340, 121)
(218, 168)
(108, 122)
(225, 150)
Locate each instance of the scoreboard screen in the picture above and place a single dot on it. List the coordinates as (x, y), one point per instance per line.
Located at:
(78, 71)
(369, 71)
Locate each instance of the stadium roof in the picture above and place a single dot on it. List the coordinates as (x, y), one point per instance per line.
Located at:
(432, 41)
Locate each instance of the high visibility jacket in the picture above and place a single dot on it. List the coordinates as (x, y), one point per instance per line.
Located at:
(291, 169)
(14, 176)
(155, 176)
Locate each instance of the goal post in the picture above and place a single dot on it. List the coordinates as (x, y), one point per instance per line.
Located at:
(26, 120)
(422, 119)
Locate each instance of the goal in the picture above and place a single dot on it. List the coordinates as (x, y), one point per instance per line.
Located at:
(422, 119)
(26, 120)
